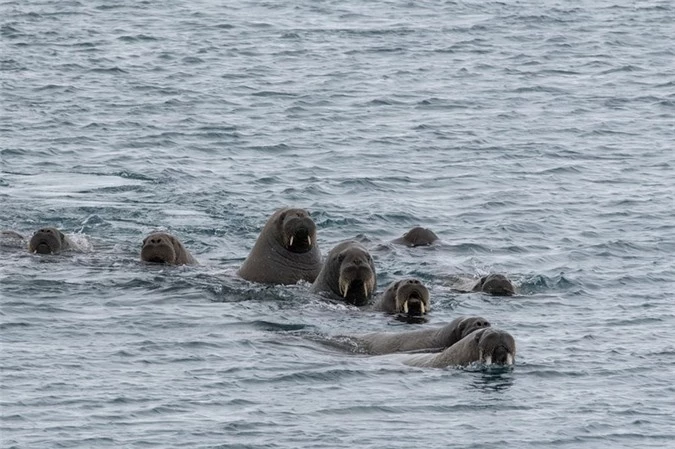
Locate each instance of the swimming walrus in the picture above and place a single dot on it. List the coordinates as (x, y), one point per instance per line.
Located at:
(493, 284)
(347, 274)
(488, 346)
(436, 339)
(161, 247)
(417, 236)
(12, 239)
(408, 296)
(48, 241)
(286, 250)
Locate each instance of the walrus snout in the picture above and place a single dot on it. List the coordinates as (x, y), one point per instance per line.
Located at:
(412, 298)
(300, 234)
(500, 355)
(45, 241)
(356, 284)
(157, 248)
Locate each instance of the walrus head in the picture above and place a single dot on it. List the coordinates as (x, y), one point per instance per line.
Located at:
(412, 297)
(419, 236)
(297, 230)
(356, 281)
(159, 247)
(495, 346)
(47, 241)
(495, 284)
(471, 324)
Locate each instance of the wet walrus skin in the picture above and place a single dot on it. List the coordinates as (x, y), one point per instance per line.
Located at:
(348, 274)
(408, 296)
(417, 236)
(161, 247)
(48, 241)
(494, 284)
(487, 346)
(430, 339)
(286, 250)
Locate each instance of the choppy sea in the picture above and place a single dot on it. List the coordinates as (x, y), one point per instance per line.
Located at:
(534, 137)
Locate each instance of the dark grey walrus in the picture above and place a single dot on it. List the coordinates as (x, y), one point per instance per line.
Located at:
(417, 236)
(48, 241)
(408, 296)
(161, 247)
(12, 239)
(348, 274)
(436, 339)
(286, 250)
(487, 346)
(493, 284)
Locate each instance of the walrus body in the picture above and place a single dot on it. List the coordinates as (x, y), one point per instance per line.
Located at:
(12, 239)
(161, 247)
(487, 346)
(48, 241)
(429, 339)
(408, 296)
(347, 274)
(493, 284)
(417, 236)
(286, 250)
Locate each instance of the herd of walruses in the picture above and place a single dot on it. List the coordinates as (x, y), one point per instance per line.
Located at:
(287, 252)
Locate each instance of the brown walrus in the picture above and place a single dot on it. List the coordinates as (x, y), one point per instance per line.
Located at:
(408, 296)
(286, 250)
(488, 346)
(48, 241)
(417, 236)
(347, 274)
(428, 339)
(161, 247)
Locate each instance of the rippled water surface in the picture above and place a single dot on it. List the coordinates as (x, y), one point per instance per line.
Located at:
(535, 138)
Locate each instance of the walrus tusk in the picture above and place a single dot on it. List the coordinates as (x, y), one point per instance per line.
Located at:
(344, 288)
(405, 307)
(290, 243)
(509, 359)
(488, 360)
(422, 309)
(309, 241)
(365, 290)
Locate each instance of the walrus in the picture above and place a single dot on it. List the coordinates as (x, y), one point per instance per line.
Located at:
(161, 247)
(408, 296)
(488, 346)
(493, 284)
(417, 236)
(347, 274)
(12, 239)
(286, 250)
(436, 339)
(48, 241)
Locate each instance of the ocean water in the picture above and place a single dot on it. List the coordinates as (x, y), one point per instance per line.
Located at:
(534, 137)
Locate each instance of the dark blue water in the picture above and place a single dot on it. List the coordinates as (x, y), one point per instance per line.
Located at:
(535, 138)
